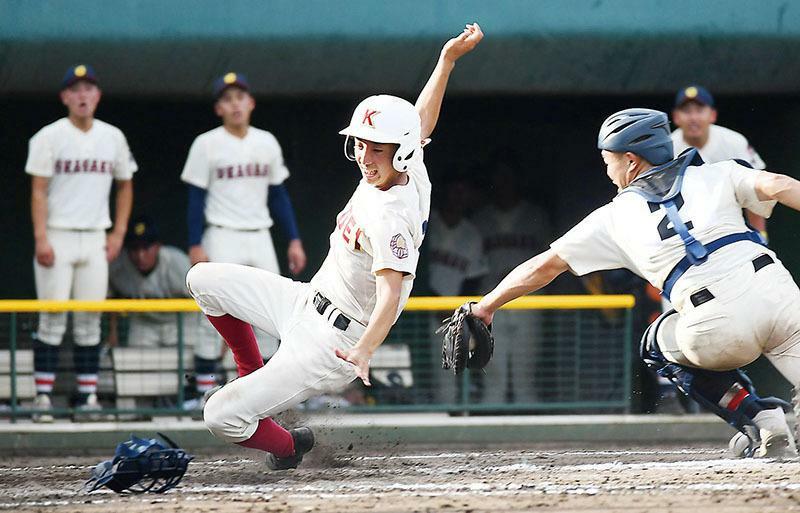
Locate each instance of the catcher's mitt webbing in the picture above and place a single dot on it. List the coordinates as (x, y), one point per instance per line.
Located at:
(467, 341)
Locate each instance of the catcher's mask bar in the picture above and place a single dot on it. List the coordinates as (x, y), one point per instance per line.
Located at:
(141, 465)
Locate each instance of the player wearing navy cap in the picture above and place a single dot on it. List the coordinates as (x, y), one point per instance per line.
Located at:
(147, 269)
(236, 176)
(73, 163)
(695, 115)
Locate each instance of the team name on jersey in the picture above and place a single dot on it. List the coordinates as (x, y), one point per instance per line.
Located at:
(66, 166)
(448, 259)
(242, 171)
(348, 228)
(510, 241)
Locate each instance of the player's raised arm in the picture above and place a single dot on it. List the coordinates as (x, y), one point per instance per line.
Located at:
(429, 102)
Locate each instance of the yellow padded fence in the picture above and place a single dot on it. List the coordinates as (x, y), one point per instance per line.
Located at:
(544, 302)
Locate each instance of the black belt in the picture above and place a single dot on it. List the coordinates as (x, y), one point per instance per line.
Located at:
(321, 303)
(704, 295)
(237, 229)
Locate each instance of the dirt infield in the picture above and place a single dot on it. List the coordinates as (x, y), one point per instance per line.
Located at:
(562, 478)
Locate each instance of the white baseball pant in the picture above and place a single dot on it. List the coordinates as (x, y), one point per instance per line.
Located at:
(148, 332)
(80, 271)
(752, 313)
(305, 365)
(244, 247)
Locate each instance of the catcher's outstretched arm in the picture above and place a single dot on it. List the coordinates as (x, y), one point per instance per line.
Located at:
(529, 276)
(429, 102)
(773, 186)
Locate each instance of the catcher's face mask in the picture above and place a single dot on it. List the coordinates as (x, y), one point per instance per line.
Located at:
(141, 465)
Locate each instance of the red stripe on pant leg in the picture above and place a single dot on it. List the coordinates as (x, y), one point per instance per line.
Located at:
(271, 437)
(242, 340)
(737, 399)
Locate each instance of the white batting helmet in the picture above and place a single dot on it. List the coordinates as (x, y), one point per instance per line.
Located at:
(386, 119)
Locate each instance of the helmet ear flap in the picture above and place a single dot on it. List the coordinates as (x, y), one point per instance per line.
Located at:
(405, 152)
(349, 148)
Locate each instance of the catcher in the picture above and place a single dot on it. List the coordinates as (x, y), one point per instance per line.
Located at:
(677, 223)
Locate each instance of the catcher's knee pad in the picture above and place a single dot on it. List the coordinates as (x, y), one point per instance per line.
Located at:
(729, 394)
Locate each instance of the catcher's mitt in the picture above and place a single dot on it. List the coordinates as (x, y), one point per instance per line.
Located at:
(468, 342)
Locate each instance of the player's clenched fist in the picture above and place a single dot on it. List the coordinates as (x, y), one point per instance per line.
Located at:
(113, 245)
(463, 43)
(45, 255)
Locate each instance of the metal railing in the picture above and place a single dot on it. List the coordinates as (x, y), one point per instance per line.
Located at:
(553, 354)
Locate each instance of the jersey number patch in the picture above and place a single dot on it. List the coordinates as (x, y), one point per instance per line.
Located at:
(664, 230)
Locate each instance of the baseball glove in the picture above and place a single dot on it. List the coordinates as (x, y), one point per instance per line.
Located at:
(468, 342)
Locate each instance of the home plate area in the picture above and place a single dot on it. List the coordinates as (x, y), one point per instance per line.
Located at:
(519, 478)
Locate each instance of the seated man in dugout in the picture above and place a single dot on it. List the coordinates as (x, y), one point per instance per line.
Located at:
(147, 269)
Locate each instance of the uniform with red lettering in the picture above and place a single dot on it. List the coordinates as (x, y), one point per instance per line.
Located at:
(73, 163)
(329, 328)
(512, 228)
(236, 176)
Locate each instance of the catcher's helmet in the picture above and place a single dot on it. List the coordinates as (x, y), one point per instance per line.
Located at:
(644, 132)
(141, 465)
(386, 119)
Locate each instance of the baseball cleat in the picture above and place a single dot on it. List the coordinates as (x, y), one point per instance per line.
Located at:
(774, 438)
(42, 402)
(303, 442)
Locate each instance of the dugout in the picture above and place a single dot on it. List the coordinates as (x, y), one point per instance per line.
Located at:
(545, 77)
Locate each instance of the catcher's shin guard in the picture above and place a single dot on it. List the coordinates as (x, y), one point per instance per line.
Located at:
(729, 394)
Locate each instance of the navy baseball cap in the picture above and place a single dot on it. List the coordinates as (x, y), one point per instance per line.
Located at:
(142, 232)
(230, 79)
(77, 73)
(694, 93)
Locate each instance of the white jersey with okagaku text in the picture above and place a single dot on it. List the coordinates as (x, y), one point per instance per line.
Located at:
(511, 236)
(723, 144)
(455, 254)
(376, 230)
(81, 167)
(237, 173)
(627, 233)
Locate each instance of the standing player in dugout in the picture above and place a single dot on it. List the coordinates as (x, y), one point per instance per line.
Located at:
(678, 224)
(236, 177)
(72, 163)
(330, 327)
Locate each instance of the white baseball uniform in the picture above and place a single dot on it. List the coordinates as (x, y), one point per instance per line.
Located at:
(236, 173)
(510, 237)
(166, 280)
(752, 312)
(455, 254)
(81, 167)
(376, 230)
(723, 144)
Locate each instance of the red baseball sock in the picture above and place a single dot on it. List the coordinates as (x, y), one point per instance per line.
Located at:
(271, 437)
(242, 340)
